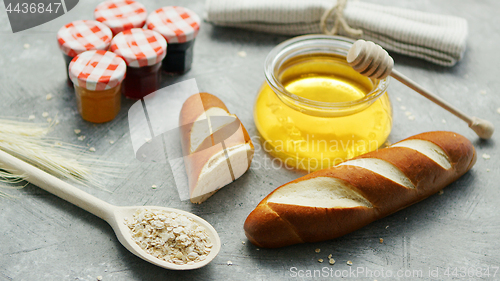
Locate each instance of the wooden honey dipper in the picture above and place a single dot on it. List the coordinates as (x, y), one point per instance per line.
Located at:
(373, 61)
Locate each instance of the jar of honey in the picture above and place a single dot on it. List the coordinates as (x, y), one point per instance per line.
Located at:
(80, 36)
(314, 110)
(180, 27)
(97, 77)
(143, 50)
(120, 15)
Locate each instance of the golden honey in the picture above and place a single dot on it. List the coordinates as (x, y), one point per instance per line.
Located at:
(316, 111)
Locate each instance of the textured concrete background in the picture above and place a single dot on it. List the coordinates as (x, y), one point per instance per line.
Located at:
(45, 238)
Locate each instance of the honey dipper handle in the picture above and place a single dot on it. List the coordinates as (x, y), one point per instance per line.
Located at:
(483, 128)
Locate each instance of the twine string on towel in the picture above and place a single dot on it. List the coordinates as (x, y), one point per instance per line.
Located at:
(340, 21)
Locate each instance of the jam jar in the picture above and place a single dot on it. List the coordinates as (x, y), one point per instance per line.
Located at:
(121, 15)
(180, 27)
(314, 110)
(80, 36)
(97, 77)
(143, 50)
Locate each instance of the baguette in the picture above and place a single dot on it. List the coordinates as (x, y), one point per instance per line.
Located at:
(333, 202)
(216, 146)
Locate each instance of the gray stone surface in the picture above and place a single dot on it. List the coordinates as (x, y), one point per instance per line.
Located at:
(45, 238)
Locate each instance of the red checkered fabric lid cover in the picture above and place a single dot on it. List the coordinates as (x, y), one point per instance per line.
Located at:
(139, 47)
(176, 24)
(120, 15)
(83, 35)
(97, 70)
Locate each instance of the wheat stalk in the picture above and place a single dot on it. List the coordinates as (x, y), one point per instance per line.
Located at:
(28, 142)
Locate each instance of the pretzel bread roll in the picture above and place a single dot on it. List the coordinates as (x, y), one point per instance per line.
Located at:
(333, 202)
(216, 146)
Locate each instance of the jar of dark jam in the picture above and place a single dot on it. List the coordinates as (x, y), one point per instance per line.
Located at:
(179, 26)
(80, 36)
(97, 77)
(143, 50)
(121, 15)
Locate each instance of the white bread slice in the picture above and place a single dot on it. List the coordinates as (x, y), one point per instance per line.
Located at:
(217, 151)
(428, 149)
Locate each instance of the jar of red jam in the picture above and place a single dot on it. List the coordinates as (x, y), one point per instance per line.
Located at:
(121, 15)
(143, 50)
(97, 77)
(80, 36)
(179, 26)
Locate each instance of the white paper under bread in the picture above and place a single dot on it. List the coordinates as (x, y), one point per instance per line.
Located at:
(428, 149)
(321, 192)
(382, 168)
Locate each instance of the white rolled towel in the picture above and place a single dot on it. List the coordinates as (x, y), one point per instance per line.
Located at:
(440, 39)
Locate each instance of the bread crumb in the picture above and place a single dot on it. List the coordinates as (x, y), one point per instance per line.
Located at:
(242, 54)
(26, 46)
(486, 156)
(487, 170)
(49, 119)
(441, 192)
(330, 256)
(444, 121)
(243, 242)
(48, 97)
(99, 278)
(31, 117)
(57, 122)
(349, 263)
(403, 107)
(407, 113)
(81, 138)
(381, 240)
(386, 227)
(229, 263)
(77, 131)
(257, 249)
(398, 99)
(331, 261)
(45, 114)
(411, 117)
(154, 186)
(320, 260)
(111, 142)
(317, 250)
(92, 149)
(498, 110)
(482, 92)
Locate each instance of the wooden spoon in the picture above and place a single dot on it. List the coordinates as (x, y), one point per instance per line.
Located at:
(114, 215)
(372, 61)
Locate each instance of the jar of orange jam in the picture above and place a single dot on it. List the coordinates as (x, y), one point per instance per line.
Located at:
(314, 110)
(97, 77)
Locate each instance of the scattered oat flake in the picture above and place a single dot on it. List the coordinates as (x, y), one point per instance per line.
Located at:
(381, 240)
(92, 149)
(111, 142)
(317, 250)
(99, 278)
(81, 138)
(229, 263)
(486, 156)
(330, 256)
(482, 92)
(331, 261)
(398, 99)
(143, 155)
(349, 263)
(407, 113)
(49, 119)
(242, 54)
(441, 192)
(57, 122)
(26, 46)
(58, 143)
(31, 117)
(498, 110)
(386, 227)
(147, 140)
(444, 121)
(411, 117)
(403, 107)
(154, 186)
(45, 114)
(243, 242)
(320, 260)
(487, 170)
(48, 97)
(78, 131)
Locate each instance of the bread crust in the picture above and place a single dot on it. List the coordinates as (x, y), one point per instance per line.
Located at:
(270, 223)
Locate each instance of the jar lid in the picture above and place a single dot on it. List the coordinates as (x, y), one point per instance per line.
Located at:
(139, 47)
(120, 15)
(176, 24)
(83, 35)
(97, 70)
